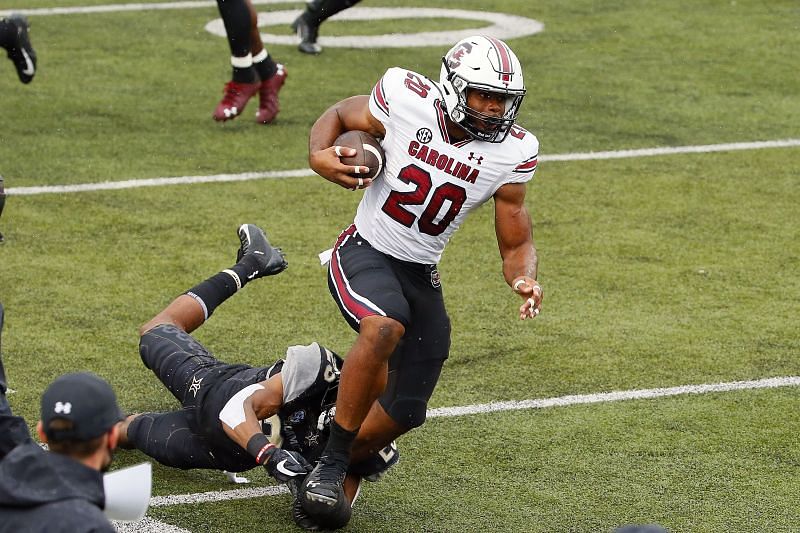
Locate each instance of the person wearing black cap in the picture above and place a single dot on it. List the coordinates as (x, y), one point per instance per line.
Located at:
(59, 490)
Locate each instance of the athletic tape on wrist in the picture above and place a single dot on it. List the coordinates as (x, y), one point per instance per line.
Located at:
(258, 446)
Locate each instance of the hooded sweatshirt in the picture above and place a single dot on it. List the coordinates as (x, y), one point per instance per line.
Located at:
(47, 492)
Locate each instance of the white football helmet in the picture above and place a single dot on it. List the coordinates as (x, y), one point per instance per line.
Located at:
(487, 64)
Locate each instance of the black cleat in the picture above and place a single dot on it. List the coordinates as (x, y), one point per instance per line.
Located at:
(254, 244)
(308, 35)
(21, 52)
(322, 495)
(302, 518)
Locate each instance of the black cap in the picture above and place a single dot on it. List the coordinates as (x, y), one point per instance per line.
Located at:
(84, 399)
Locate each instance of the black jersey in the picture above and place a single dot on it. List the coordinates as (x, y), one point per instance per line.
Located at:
(194, 437)
(310, 376)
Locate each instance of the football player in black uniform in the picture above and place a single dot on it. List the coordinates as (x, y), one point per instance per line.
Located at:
(235, 417)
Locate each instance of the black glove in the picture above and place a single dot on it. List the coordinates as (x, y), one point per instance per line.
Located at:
(281, 464)
(284, 465)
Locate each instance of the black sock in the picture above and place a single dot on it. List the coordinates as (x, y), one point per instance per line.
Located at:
(244, 75)
(340, 442)
(221, 286)
(236, 18)
(266, 68)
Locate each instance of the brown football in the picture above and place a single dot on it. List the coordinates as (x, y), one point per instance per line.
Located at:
(369, 152)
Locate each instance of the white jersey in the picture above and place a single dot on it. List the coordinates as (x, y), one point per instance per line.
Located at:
(430, 182)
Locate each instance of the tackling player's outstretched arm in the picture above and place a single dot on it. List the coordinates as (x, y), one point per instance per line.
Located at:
(240, 420)
(515, 240)
(350, 114)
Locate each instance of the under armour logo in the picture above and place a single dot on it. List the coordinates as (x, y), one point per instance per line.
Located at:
(195, 386)
(63, 408)
(476, 158)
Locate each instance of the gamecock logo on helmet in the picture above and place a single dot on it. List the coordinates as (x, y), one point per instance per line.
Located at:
(455, 58)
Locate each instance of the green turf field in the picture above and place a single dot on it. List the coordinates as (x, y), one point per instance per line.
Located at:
(658, 271)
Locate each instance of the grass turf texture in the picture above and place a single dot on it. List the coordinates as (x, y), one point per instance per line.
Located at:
(657, 271)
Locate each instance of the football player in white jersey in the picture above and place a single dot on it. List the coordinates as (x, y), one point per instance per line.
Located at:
(450, 146)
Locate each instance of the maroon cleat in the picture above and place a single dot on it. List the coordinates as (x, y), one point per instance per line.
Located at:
(268, 106)
(235, 98)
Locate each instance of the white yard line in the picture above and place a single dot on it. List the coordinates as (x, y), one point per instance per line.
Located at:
(148, 525)
(280, 174)
(616, 396)
(561, 401)
(218, 496)
(155, 182)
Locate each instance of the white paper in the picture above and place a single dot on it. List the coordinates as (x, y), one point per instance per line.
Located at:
(128, 492)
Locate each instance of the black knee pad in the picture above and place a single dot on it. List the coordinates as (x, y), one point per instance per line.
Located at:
(408, 412)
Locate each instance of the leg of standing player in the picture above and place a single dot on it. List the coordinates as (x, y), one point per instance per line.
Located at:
(307, 24)
(244, 84)
(388, 362)
(272, 75)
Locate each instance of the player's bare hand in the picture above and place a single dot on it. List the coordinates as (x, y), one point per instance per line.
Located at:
(328, 164)
(529, 289)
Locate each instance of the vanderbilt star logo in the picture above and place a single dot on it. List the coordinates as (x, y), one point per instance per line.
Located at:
(194, 388)
(476, 158)
(312, 439)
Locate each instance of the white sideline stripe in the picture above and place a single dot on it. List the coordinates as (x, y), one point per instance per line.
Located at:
(768, 383)
(147, 525)
(156, 182)
(218, 496)
(616, 396)
(701, 149)
(280, 174)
